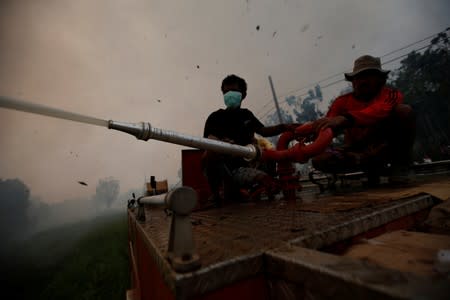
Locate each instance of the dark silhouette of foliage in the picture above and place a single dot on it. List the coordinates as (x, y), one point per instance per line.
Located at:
(14, 202)
(106, 192)
(306, 109)
(424, 78)
(300, 110)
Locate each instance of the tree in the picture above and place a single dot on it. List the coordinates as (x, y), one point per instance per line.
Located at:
(424, 79)
(14, 203)
(106, 192)
(307, 110)
(300, 110)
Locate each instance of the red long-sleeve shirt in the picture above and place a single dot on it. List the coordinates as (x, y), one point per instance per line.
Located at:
(365, 115)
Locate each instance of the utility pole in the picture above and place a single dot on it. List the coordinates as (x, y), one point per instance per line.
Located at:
(275, 99)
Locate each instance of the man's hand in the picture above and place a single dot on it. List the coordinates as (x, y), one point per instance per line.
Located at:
(334, 122)
(227, 140)
(290, 127)
(277, 129)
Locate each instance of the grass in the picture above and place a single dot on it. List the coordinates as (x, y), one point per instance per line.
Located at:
(87, 260)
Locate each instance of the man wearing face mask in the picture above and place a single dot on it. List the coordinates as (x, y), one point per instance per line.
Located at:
(378, 128)
(235, 125)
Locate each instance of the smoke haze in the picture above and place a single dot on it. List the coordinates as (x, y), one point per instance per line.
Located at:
(162, 62)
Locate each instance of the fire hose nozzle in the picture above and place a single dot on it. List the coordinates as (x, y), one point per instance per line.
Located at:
(144, 131)
(141, 130)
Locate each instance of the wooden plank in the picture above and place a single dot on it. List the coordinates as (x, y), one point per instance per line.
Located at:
(321, 275)
(401, 250)
(161, 187)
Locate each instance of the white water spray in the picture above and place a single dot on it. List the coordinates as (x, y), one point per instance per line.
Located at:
(11, 103)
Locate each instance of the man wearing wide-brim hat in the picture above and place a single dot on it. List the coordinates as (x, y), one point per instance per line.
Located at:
(378, 128)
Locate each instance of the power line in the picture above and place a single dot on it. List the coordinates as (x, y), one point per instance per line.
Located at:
(412, 44)
(384, 55)
(404, 55)
(341, 80)
(340, 73)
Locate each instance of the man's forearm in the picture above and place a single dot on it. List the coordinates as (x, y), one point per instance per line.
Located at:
(272, 130)
(212, 137)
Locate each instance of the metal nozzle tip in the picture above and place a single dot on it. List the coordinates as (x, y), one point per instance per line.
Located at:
(142, 131)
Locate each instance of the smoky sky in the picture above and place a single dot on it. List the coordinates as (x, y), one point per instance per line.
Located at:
(163, 62)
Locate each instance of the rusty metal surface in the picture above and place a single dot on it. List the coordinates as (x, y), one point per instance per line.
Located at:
(208, 278)
(232, 241)
(350, 228)
(247, 229)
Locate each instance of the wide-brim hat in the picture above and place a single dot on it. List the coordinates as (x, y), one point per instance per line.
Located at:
(363, 63)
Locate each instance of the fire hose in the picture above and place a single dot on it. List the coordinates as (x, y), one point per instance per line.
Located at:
(144, 131)
(300, 152)
(288, 179)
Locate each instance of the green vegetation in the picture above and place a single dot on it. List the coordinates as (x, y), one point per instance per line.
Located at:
(424, 78)
(86, 260)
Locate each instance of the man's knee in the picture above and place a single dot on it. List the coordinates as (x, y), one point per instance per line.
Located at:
(403, 112)
(321, 161)
(246, 177)
(404, 121)
(401, 137)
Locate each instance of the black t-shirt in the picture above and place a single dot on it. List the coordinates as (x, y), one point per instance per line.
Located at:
(238, 125)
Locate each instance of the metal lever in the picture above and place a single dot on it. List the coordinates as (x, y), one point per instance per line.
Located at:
(181, 250)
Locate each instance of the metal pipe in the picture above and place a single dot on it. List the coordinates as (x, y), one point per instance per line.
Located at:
(275, 99)
(144, 131)
(157, 200)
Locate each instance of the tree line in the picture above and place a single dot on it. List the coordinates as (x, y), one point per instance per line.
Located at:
(21, 214)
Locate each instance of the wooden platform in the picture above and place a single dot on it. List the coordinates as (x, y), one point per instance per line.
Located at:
(405, 251)
(244, 247)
